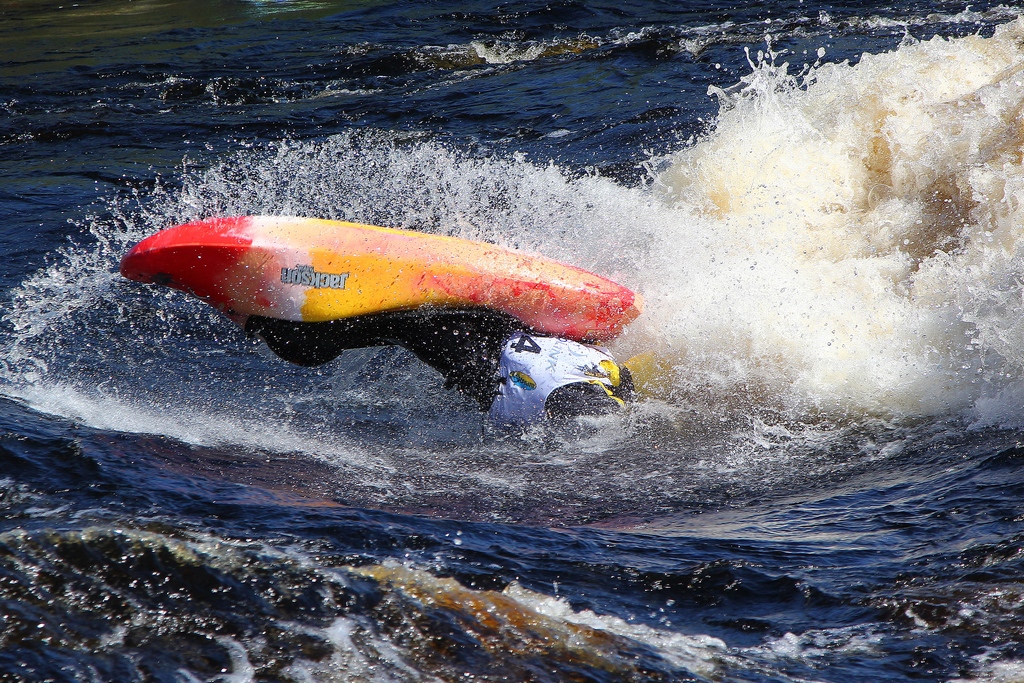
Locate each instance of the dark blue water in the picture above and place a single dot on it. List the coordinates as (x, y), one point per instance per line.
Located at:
(176, 504)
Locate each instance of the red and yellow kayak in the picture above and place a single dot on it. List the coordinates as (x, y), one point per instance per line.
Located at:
(313, 270)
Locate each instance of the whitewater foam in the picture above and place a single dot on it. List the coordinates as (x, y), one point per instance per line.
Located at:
(198, 427)
(852, 235)
(844, 243)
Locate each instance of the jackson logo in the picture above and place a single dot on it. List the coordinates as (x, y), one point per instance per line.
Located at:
(306, 276)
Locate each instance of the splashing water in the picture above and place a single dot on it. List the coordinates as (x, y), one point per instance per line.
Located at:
(844, 242)
(215, 382)
(854, 239)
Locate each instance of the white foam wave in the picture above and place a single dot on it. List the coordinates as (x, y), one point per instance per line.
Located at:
(849, 240)
(197, 427)
(707, 656)
(699, 654)
(383, 663)
(822, 645)
(990, 669)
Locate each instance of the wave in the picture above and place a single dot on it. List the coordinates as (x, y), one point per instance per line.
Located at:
(844, 244)
(853, 241)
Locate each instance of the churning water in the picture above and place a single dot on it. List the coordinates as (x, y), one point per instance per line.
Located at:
(822, 206)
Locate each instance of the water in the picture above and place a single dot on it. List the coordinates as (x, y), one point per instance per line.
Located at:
(821, 204)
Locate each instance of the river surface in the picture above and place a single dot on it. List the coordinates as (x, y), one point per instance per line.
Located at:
(822, 204)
